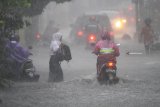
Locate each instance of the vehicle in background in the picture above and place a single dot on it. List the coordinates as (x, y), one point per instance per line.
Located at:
(87, 28)
(119, 22)
(51, 28)
(44, 39)
(92, 32)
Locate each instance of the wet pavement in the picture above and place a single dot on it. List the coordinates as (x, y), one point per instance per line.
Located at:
(139, 84)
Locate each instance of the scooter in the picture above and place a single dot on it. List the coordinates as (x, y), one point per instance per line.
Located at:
(28, 71)
(107, 72)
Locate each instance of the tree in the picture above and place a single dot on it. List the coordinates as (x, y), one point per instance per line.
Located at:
(12, 13)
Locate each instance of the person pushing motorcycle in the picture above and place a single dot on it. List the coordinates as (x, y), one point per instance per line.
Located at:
(106, 50)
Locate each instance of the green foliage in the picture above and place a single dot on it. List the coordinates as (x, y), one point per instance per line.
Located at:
(37, 6)
(13, 11)
(16, 3)
(11, 19)
(60, 1)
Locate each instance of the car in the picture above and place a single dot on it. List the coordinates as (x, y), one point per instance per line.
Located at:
(87, 28)
(118, 21)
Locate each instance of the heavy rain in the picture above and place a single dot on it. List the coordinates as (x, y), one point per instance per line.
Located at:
(37, 80)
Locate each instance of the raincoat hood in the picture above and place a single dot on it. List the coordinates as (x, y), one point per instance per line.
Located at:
(57, 36)
(56, 42)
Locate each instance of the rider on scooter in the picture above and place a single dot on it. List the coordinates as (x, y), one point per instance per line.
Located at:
(16, 53)
(106, 50)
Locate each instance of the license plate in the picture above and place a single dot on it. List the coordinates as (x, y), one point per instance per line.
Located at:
(110, 70)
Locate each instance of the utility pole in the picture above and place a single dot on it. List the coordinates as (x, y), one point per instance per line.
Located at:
(139, 9)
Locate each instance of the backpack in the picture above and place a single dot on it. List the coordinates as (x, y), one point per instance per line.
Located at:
(64, 53)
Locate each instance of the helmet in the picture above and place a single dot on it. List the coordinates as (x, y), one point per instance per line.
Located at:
(57, 36)
(147, 21)
(105, 35)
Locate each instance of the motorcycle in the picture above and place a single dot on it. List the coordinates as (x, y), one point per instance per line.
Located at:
(92, 39)
(92, 35)
(108, 72)
(28, 71)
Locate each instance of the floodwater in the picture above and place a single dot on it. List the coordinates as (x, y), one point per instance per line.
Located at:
(138, 86)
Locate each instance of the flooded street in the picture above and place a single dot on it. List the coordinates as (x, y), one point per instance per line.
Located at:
(45, 26)
(138, 86)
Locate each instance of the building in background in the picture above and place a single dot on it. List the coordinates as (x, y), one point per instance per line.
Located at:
(147, 9)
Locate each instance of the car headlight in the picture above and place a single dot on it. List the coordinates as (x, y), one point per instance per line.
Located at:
(118, 24)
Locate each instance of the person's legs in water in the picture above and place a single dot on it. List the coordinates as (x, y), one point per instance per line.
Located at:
(59, 73)
(100, 62)
(55, 73)
(99, 65)
(51, 69)
(147, 49)
(97, 68)
(51, 64)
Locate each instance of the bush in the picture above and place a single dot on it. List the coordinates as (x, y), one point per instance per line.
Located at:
(5, 83)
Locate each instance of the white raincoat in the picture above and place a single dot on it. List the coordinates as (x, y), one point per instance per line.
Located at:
(56, 42)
